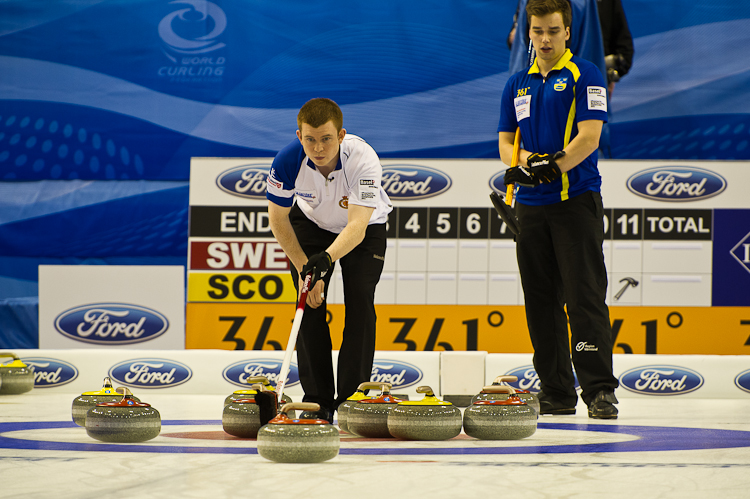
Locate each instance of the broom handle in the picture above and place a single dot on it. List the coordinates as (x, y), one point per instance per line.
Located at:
(514, 162)
(281, 381)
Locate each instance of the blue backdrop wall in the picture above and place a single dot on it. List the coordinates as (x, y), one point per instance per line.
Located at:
(103, 102)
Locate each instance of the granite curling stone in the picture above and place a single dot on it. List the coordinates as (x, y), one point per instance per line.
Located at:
(241, 418)
(369, 417)
(87, 400)
(244, 417)
(343, 408)
(525, 395)
(15, 376)
(287, 440)
(124, 421)
(510, 419)
(426, 419)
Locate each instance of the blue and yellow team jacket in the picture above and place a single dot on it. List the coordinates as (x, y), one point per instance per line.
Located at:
(548, 111)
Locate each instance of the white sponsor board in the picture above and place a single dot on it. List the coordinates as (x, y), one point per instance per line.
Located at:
(650, 376)
(111, 306)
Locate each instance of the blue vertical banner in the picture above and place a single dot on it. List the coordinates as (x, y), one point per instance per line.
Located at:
(731, 259)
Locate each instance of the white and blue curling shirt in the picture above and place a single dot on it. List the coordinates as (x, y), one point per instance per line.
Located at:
(356, 180)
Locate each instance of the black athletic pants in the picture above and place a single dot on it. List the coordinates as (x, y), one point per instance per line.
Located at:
(561, 263)
(360, 269)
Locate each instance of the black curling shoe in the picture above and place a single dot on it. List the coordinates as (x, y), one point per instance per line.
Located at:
(602, 407)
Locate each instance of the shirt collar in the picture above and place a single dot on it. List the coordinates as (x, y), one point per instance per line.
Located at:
(338, 163)
(566, 57)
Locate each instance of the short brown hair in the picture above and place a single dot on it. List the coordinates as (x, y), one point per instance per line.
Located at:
(541, 8)
(317, 112)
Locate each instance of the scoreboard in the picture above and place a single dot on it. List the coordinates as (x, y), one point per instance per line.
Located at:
(677, 251)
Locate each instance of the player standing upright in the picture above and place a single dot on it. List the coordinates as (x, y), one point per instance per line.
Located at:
(560, 104)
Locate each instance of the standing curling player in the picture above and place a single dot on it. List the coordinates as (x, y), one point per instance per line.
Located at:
(560, 104)
(325, 203)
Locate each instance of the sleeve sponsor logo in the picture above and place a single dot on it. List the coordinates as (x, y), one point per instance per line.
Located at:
(523, 107)
(597, 98)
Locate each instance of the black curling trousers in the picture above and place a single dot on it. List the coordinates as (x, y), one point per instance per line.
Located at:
(360, 270)
(560, 259)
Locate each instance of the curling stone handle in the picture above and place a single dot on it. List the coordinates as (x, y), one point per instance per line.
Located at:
(301, 406)
(499, 389)
(505, 379)
(256, 379)
(426, 390)
(124, 391)
(107, 383)
(9, 354)
(367, 385)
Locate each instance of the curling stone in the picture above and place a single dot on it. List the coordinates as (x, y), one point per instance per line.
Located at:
(369, 417)
(287, 440)
(343, 408)
(245, 394)
(525, 395)
(509, 419)
(426, 419)
(15, 376)
(87, 400)
(241, 417)
(124, 421)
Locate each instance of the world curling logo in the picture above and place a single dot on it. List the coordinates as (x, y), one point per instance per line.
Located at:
(111, 324)
(151, 373)
(247, 181)
(190, 34)
(239, 372)
(49, 373)
(398, 374)
(661, 380)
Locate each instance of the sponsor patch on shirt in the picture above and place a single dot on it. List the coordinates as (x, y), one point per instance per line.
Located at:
(523, 107)
(273, 181)
(367, 189)
(597, 98)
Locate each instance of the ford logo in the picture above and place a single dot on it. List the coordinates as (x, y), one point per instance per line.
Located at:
(743, 381)
(248, 181)
(529, 380)
(414, 182)
(51, 372)
(676, 183)
(238, 372)
(661, 380)
(151, 373)
(398, 374)
(111, 324)
(496, 183)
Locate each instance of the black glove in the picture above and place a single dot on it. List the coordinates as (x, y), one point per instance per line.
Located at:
(521, 176)
(543, 168)
(318, 266)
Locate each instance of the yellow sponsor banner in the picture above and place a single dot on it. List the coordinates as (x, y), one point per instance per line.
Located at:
(496, 329)
(246, 287)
